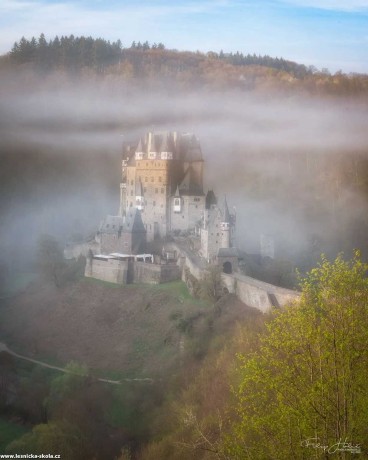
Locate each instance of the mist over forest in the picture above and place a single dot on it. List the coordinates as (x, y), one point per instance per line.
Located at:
(290, 157)
(288, 147)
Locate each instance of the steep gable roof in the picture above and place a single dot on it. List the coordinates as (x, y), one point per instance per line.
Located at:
(133, 222)
(189, 184)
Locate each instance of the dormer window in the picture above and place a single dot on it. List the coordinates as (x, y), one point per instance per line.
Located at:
(152, 155)
(166, 156)
(139, 155)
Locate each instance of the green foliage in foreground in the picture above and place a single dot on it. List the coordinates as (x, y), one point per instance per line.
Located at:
(308, 377)
(9, 431)
(60, 438)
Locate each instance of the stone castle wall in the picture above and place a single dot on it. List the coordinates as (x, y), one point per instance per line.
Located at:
(126, 272)
(258, 294)
(252, 292)
(112, 270)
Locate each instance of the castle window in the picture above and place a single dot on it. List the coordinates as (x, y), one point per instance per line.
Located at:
(132, 182)
(160, 179)
(131, 193)
(197, 199)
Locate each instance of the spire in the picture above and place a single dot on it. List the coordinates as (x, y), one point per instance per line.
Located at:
(225, 212)
(152, 141)
(139, 147)
(177, 193)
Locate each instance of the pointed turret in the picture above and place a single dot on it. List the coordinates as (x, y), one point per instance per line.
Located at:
(225, 212)
(139, 151)
(166, 148)
(152, 146)
(225, 225)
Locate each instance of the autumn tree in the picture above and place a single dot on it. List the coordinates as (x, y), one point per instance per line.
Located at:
(303, 394)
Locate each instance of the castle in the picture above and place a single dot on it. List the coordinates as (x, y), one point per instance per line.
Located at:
(161, 196)
(162, 186)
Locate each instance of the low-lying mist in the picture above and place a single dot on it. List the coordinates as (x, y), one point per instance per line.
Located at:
(293, 166)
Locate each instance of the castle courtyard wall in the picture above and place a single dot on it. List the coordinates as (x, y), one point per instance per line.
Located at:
(112, 270)
(258, 294)
(124, 272)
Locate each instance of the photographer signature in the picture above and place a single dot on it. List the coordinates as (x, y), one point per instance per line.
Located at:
(340, 446)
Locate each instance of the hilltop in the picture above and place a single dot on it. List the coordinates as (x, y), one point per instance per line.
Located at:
(142, 63)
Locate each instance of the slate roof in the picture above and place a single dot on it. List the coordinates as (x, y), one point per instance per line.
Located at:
(132, 222)
(210, 199)
(189, 184)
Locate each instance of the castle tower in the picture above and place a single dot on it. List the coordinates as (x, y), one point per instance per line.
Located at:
(225, 226)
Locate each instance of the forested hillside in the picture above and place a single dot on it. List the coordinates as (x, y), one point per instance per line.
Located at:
(142, 61)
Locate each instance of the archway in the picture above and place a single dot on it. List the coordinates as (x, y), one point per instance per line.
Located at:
(227, 268)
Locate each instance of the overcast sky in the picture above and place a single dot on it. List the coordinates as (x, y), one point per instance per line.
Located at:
(323, 33)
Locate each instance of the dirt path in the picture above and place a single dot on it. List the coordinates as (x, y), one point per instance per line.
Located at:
(4, 347)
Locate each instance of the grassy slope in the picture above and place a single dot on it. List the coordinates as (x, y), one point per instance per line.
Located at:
(117, 331)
